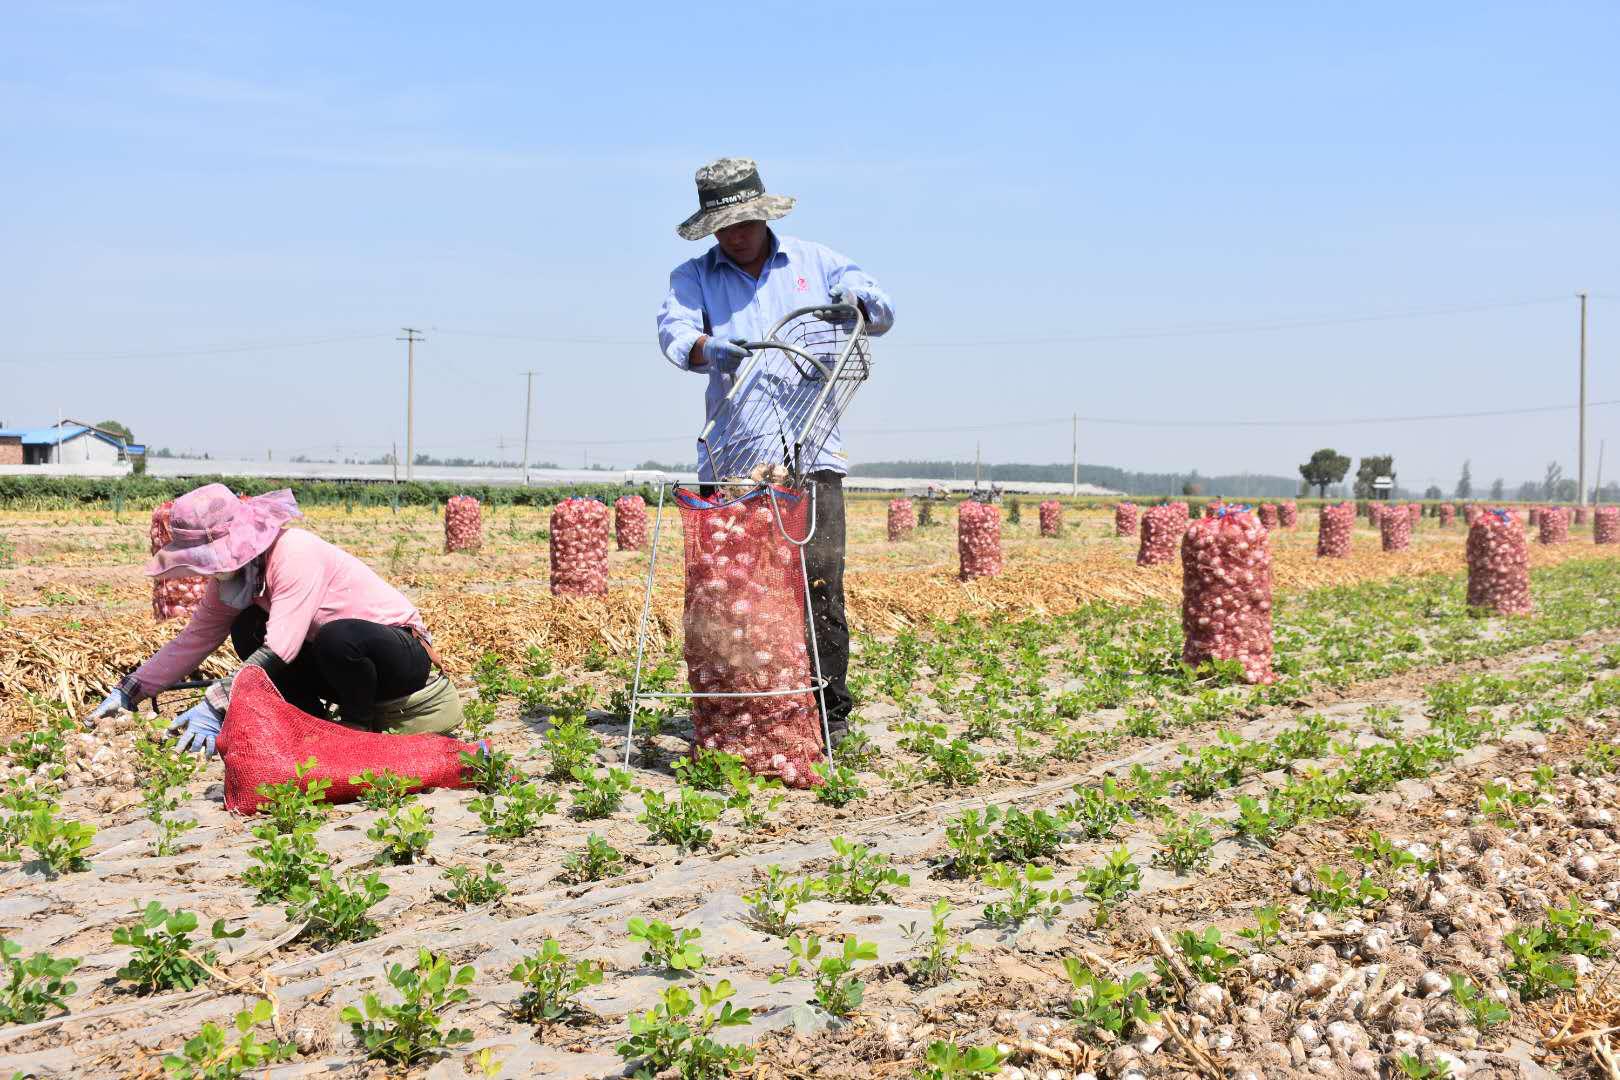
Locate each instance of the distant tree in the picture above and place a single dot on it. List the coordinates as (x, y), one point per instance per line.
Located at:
(1565, 491)
(1192, 487)
(1549, 484)
(1529, 491)
(1326, 467)
(117, 429)
(1465, 483)
(1498, 488)
(1433, 492)
(1370, 469)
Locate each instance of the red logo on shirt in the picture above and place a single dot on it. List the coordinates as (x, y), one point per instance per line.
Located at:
(802, 285)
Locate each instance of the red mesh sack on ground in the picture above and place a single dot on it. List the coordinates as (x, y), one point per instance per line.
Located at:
(1395, 527)
(1161, 526)
(1535, 515)
(1375, 513)
(263, 738)
(978, 539)
(1269, 518)
(1212, 508)
(1051, 518)
(1555, 525)
(1125, 519)
(630, 522)
(176, 597)
(1226, 593)
(902, 519)
(744, 630)
(1498, 565)
(463, 524)
(1414, 512)
(1580, 515)
(1470, 512)
(579, 548)
(1288, 514)
(1447, 515)
(1333, 531)
(1606, 525)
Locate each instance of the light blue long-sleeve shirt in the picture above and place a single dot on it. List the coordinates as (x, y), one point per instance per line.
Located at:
(796, 274)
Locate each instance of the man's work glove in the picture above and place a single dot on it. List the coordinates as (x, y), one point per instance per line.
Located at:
(114, 702)
(725, 356)
(196, 729)
(842, 294)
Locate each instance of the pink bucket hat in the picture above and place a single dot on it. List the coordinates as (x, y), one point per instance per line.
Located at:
(211, 531)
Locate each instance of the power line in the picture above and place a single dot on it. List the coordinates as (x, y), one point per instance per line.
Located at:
(206, 350)
(1214, 329)
(1122, 335)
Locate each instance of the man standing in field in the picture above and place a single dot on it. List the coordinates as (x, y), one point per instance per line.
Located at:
(737, 291)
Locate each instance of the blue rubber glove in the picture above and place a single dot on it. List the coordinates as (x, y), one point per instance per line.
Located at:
(196, 729)
(726, 356)
(114, 702)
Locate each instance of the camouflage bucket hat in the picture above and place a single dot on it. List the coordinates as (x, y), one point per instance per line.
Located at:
(730, 191)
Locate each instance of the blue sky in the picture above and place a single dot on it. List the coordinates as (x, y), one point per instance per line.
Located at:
(1107, 210)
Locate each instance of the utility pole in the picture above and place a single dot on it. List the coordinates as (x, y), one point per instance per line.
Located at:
(1580, 468)
(528, 409)
(976, 459)
(1074, 482)
(412, 336)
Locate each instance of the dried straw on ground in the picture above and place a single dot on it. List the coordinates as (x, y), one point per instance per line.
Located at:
(75, 660)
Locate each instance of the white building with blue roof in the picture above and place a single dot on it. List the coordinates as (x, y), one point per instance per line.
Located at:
(69, 442)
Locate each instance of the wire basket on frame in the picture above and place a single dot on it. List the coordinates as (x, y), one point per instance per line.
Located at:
(785, 401)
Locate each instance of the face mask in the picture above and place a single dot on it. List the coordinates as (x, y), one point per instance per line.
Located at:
(242, 587)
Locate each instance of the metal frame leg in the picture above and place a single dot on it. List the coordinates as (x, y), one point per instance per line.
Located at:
(641, 629)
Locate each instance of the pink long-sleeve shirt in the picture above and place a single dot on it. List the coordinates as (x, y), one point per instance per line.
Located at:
(307, 584)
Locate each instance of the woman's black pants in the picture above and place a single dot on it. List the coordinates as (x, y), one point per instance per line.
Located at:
(350, 663)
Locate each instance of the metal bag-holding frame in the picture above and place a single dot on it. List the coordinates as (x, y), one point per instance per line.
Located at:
(783, 405)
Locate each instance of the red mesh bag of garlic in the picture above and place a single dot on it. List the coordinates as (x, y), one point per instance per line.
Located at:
(1161, 526)
(1580, 515)
(1226, 593)
(1125, 519)
(1183, 516)
(1606, 525)
(745, 632)
(1395, 527)
(1554, 525)
(978, 539)
(1414, 512)
(1288, 514)
(175, 597)
(1051, 518)
(1212, 508)
(463, 524)
(1469, 513)
(902, 519)
(1535, 515)
(1498, 565)
(1333, 531)
(1269, 517)
(579, 548)
(1375, 513)
(1447, 515)
(630, 522)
